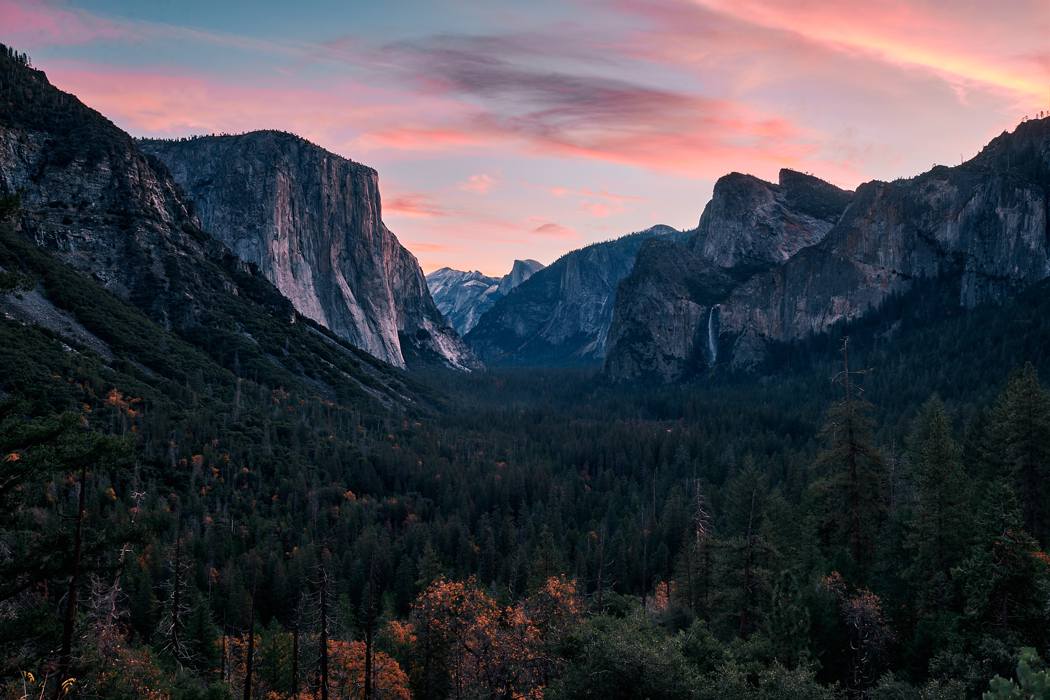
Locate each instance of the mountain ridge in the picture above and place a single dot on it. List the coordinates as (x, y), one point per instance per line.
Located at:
(561, 315)
(984, 220)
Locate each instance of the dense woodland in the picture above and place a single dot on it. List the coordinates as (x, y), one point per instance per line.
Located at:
(180, 522)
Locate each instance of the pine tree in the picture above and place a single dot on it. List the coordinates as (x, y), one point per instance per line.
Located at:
(745, 557)
(1019, 447)
(940, 527)
(851, 491)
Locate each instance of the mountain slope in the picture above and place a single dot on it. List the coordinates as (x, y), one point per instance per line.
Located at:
(561, 315)
(91, 200)
(984, 222)
(312, 222)
(667, 317)
(464, 297)
(982, 226)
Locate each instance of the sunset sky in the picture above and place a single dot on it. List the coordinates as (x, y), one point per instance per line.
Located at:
(526, 129)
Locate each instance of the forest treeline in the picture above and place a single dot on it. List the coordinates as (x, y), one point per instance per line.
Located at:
(876, 530)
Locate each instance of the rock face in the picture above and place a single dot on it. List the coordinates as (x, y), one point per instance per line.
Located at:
(520, 271)
(97, 203)
(668, 318)
(561, 315)
(312, 223)
(463, 297)
(983, 223)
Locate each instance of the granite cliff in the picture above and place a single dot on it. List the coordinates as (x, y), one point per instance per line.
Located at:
(311, 221)
(981, 226)
(93, 201)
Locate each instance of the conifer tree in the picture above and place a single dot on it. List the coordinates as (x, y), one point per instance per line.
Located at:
(851, 492)
(1019, 447)
(940, 528)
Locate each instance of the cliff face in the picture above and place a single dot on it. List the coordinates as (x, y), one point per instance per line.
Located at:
(95, 202)
(312, 223)
(667, 319)
(464, 297)
(520, 271)
(750, 225)
(983, 223)
(561, 315)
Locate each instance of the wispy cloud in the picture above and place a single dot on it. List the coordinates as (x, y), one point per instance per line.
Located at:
(415, 205)
(555, 230)
(478, 184)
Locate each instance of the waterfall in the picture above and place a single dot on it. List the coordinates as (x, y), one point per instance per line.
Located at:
(712, 335)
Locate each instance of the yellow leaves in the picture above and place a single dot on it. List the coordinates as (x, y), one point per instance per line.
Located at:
(67, 685)
(111, 494)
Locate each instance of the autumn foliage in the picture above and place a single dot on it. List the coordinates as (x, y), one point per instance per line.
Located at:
(477, 647)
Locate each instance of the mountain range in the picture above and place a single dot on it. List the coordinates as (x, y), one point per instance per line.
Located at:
(178, 228)
(463, 297)
(100, 210)
(772, 264)
(561, 315)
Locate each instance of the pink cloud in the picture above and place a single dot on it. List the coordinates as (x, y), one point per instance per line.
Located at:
(597, 209)
(479, 184)
(951, 42)
(420, 139)
(555, 230)
(415, 205)
(40, 23)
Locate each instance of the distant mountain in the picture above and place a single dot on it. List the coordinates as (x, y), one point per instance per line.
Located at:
(561, 315)
(463, 297)
(312, 223)
(981, 226)
(94, 203)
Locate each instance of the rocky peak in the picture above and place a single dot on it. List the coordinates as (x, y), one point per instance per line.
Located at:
(464, 297)
(312, 222)
(983, 225)
(92, 201)
(750, 224)
(561, 315)
(519, 272)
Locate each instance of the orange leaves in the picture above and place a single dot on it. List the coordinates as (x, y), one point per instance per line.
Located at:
(494, 646)
(348, 672)
(116, 399)
(401, 633)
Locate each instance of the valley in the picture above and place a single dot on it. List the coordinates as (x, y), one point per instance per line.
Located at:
(250, 450)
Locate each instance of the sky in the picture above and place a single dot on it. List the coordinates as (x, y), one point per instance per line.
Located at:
(506, 130)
